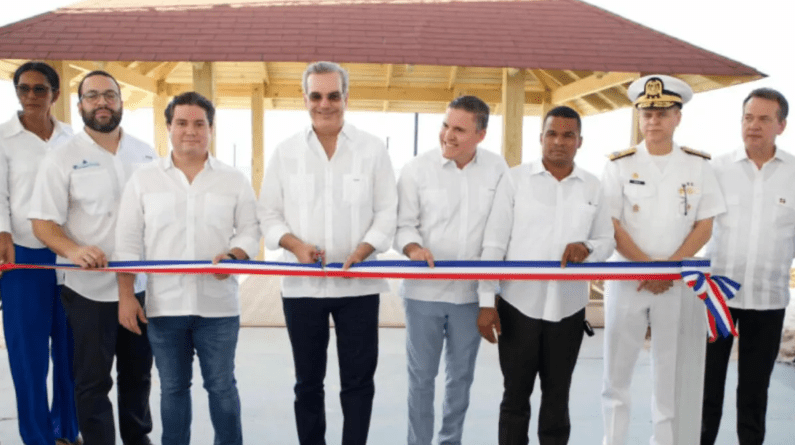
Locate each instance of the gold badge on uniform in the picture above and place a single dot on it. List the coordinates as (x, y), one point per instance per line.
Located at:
(636, 208)
(635, 176)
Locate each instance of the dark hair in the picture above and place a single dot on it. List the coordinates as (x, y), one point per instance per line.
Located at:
(770, 94)
(475, 106)
(41, 67)
(95, 73)
(564, 111)
(190, 98)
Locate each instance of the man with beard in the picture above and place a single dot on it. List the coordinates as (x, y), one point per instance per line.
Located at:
(74, 208)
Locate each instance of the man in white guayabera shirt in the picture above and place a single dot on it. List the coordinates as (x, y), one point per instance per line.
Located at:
(189, 206)
(662, 198)
(444, 198)
(329, 194)
(550, 210)
(753, 243)
(74, 209)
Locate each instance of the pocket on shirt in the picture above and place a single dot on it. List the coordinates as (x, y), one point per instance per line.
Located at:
(582, 218)
(485, 199)
(93, 190)
(302, 187)
(785, 211)
(219, 211)
(159, 209)
(355, 189)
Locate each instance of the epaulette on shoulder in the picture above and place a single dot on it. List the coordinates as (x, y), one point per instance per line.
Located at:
(693, 152)
(622, 154)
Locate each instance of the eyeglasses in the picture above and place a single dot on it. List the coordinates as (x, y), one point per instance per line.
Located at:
(38, 90)
(335, 96)
(93, 96)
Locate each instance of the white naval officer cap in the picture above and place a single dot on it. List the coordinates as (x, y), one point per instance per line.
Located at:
(659, 91)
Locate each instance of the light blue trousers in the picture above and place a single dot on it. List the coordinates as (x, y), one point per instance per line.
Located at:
(429, 325)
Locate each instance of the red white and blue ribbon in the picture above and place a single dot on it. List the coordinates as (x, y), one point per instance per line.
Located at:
(713, 290)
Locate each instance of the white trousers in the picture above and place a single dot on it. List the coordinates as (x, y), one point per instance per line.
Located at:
(678, 345)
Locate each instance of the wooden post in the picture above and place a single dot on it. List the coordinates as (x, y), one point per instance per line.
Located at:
(258, 145)
(62, 108)
(635, 136)
(159, 103)
(546, 105)
(512, 115)
(204, 84)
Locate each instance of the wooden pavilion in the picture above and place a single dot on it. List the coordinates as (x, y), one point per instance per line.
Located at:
(521, 56)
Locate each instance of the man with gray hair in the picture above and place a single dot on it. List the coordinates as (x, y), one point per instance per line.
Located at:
(329, 195)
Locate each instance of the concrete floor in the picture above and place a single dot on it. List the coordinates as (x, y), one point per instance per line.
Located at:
(265, 379)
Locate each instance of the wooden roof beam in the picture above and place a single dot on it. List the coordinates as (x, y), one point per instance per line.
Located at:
(453, 77)
(388, 80)
(600, 94)
(594, 83)
(266, 75)
(122, 75)
(162, 71)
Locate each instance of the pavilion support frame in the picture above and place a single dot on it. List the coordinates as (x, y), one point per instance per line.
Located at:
(62, 108)
(513, 100)
(159, 103)
(258, 146)
(204, 84)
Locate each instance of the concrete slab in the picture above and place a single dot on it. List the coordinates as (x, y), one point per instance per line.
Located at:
(265, 378)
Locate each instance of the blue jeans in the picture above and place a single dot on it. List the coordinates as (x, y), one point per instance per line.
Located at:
(35, 329)
(429, 325)
(173, 341)
(356, 325)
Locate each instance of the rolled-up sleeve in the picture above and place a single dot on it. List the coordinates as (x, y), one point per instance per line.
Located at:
(130, 224)
(247, 231)
(50, 198)
(385, 201)
(497, 234)
(408, 214)
(270, 207)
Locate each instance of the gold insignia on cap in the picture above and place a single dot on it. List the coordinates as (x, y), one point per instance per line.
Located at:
(656, 96)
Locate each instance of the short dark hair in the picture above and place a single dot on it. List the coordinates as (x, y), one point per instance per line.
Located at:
(475, 106)
(95, 73)
(564, 111)
(190, 98)
(770, 94)
(41, 67)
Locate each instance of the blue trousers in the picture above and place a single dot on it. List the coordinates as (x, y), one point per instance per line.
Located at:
(356, 325)
(173, 341)
(429, 326)
(35, 327)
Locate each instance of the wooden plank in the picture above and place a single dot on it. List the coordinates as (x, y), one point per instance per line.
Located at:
(589, 85)
(204, 84)
(258, 146)
(512, 115)
(453, 77)
(123, 75)
(388, 78)
(62, 108)
(159, 103)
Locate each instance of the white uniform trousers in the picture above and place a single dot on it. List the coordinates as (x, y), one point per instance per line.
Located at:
(677, 360)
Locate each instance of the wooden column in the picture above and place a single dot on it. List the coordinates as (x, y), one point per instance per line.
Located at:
(62, 108)
(635, 136)
(512, 115)
(258, 146)
(546, 105)
(159, 103)
(204, 84)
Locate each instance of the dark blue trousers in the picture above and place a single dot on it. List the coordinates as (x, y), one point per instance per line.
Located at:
(356, 326)
(35, 327)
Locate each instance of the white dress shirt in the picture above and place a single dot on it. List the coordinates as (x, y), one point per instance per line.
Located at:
(444, 209)
(658, 208)
(78, 187)
(21, 153)
(335, 204)
(162, 216)
(754, 241)
(534, 217)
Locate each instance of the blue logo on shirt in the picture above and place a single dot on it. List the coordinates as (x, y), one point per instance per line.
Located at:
(85, 164)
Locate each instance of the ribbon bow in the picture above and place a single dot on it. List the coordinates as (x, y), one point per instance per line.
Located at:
(713, 291)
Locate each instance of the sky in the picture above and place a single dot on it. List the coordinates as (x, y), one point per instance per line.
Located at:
(758, 34)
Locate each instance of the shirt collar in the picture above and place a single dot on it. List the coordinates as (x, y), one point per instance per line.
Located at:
(167, 162)
(444, 161)
(537, 168)
(15, 127)
(780, 155)
(347, 131)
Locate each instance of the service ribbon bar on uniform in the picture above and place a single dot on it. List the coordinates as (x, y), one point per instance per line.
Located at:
(713, 290)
